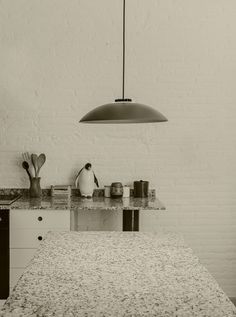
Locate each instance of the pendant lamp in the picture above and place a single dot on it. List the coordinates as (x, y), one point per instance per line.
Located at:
(123, 110)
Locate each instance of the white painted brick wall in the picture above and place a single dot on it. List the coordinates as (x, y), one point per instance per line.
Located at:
(59, 59)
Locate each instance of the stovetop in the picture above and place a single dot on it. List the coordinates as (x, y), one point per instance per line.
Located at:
(8, 199)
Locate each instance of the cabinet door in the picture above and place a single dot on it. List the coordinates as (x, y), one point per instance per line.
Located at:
(20, 258)
(28, 238)
(40, 219)
(27, 230)
(15, 274)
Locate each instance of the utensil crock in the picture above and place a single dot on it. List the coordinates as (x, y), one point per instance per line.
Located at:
(35, 190)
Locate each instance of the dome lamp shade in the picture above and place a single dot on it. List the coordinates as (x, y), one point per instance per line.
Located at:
(123, 110)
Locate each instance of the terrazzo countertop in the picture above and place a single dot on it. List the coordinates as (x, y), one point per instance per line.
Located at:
(116, 274)
(96, 203)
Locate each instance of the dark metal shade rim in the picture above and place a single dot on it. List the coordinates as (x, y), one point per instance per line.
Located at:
(121, 121)
(123, 112)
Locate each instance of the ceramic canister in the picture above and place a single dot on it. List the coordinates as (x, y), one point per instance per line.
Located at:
(126, 191)
(107, 191)
(141, 189)
(116, 190)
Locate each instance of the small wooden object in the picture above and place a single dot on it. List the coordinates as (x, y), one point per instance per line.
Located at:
(61, 190)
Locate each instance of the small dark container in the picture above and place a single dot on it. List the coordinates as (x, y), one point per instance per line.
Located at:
(116, 190)
(35, 190)
(141, 189)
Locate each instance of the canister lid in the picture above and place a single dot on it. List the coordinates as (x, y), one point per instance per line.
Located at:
(117, 184)
(141, 181)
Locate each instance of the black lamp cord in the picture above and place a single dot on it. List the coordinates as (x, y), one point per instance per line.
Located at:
(123, 58)
(123, 79)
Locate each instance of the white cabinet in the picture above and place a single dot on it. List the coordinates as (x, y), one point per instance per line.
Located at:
(38, 218)
(27, 230)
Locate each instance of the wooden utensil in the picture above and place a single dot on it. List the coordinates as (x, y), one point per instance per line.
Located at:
(26, 157)
(25, 165)
(34, 160)
(40, 161)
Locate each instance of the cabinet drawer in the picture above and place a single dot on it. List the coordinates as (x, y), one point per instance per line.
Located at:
(28, 238)
(40, 219)
(20, 258)
(15, 274)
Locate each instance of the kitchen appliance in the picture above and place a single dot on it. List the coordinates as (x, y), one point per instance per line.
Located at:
(8, 199)
(141, 189)
(116, 190)
(4, 253)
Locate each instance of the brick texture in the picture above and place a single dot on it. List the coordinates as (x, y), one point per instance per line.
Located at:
(59, 59)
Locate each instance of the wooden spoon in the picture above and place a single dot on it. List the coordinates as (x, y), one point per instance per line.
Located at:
(34, 160)
(25, 165)
(40, 161)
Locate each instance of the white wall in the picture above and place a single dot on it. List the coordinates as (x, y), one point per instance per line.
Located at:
(59, 59)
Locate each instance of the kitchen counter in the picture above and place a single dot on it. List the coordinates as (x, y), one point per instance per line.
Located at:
(79, 203)
(116, 274)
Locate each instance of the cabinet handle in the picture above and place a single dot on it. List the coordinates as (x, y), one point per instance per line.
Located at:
(40, 218)
(40, 238)
(0, 218)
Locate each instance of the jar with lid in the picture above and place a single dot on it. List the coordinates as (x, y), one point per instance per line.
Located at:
(116, 190)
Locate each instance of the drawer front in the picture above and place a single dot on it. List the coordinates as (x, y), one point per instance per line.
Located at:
(20, 258)
(28, 238)
(15, 274)
(40, 219)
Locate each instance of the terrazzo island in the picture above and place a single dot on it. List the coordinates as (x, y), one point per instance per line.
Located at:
(116, 274)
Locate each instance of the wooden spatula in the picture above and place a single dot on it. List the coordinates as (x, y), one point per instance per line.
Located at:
(40, 161)
(34, 160)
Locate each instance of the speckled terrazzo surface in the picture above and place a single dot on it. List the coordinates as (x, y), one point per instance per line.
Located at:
(116, 274)
(96, 203)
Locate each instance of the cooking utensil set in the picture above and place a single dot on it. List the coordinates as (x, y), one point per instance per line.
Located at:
(35, 160)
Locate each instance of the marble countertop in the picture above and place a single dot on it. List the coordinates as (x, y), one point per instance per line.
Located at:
(116, 274)
(79, 203)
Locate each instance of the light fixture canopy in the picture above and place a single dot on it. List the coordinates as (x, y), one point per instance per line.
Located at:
(123, 110)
